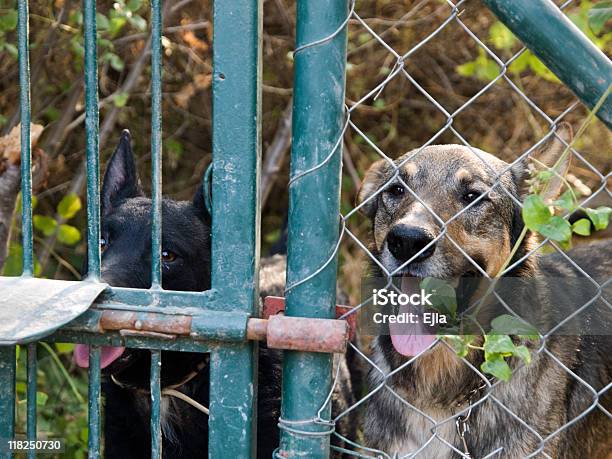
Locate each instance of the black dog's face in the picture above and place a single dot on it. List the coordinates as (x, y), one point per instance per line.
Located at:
(125, 245)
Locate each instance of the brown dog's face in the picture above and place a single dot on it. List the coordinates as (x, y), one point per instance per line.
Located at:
(445, 202)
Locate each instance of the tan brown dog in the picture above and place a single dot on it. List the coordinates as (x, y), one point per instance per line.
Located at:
(426, 237)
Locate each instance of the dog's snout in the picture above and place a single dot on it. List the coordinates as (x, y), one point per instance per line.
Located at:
(404, 242)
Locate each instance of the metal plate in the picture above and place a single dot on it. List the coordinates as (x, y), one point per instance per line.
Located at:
(32, 308)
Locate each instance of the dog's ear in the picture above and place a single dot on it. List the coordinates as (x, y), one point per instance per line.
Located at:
(121, 178)
(549, 155)
(371, 183)
(199, 201)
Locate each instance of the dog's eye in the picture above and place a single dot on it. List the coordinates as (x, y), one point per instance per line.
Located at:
(470, 196)
(396, 190)
(103, 244)
(168, 256)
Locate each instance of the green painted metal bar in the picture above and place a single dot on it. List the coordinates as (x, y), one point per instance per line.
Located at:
(26, 153)
(156, 139)
(31, 397)
(156, 434)
(91, 139)
(93, 403)
(236, 218)
(314, 203)
(565, 50)
(7, 396)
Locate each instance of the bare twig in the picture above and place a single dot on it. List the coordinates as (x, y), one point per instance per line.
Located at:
(276, 154)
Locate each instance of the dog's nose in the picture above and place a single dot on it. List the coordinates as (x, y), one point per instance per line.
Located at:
(404, 242)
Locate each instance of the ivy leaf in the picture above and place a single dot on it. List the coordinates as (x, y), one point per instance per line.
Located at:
(520, 64)
(599, 16)
(566, 201)
(511, 325)
(116, 62)
(102, 22)
(501, 36)
(496, 365)
(64, 348)
(134, 5)
(444, 298)
(600, 217)
(44, 224)
(69, 206)
(523, 353)
(557, 229)
(41, 398)
(498, 344)
(458, 344)
(467, 69)
(535, 212)
(68, 235)
(120, 99)
(582, 227)
(8, 21)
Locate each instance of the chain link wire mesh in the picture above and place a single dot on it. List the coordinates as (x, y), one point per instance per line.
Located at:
(452, 431)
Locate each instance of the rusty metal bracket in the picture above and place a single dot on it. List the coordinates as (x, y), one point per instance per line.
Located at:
(278, 331)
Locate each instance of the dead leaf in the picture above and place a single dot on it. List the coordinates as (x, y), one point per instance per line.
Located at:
(10, 144)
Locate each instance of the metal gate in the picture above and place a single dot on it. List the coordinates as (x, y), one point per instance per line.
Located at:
(219, 317)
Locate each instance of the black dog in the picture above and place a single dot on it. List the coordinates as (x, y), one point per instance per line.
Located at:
(126, 262)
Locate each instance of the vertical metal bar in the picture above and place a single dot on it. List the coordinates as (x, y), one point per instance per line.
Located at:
(93, 441)
(314, 203)
(31, 397)
(543, 27)
(236, 216)
(91, 139)
(156, 135)
(7, 396)
(156, 435)
(26, 154)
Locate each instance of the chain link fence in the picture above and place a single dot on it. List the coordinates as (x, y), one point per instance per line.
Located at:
(452, 431)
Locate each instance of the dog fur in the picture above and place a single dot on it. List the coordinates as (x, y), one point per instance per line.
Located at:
(449, 178)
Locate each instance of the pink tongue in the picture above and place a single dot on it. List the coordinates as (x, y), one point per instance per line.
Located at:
(409, 339)
(108, 355)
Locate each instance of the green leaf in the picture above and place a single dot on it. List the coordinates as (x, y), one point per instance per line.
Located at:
(497, 366)
(64, 348)
(501, 37)
(68, 235)
(102, 22)
(599, 16)
(134, 5)
(460, 343)
(557, 229)
(116, 24)
(41, 398)
(444, 298)
(523, 353)
(69, 206)
(44, 224)
(535, 212)
(566, 201)
(582, 227)
(600, 217)
(8, 21)
(138, 22)
(468, 69)
(115, 62)
(11, 49)
(511, 325)
(498, 344)
(13, 262)
(120, 99)
(519, 64)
